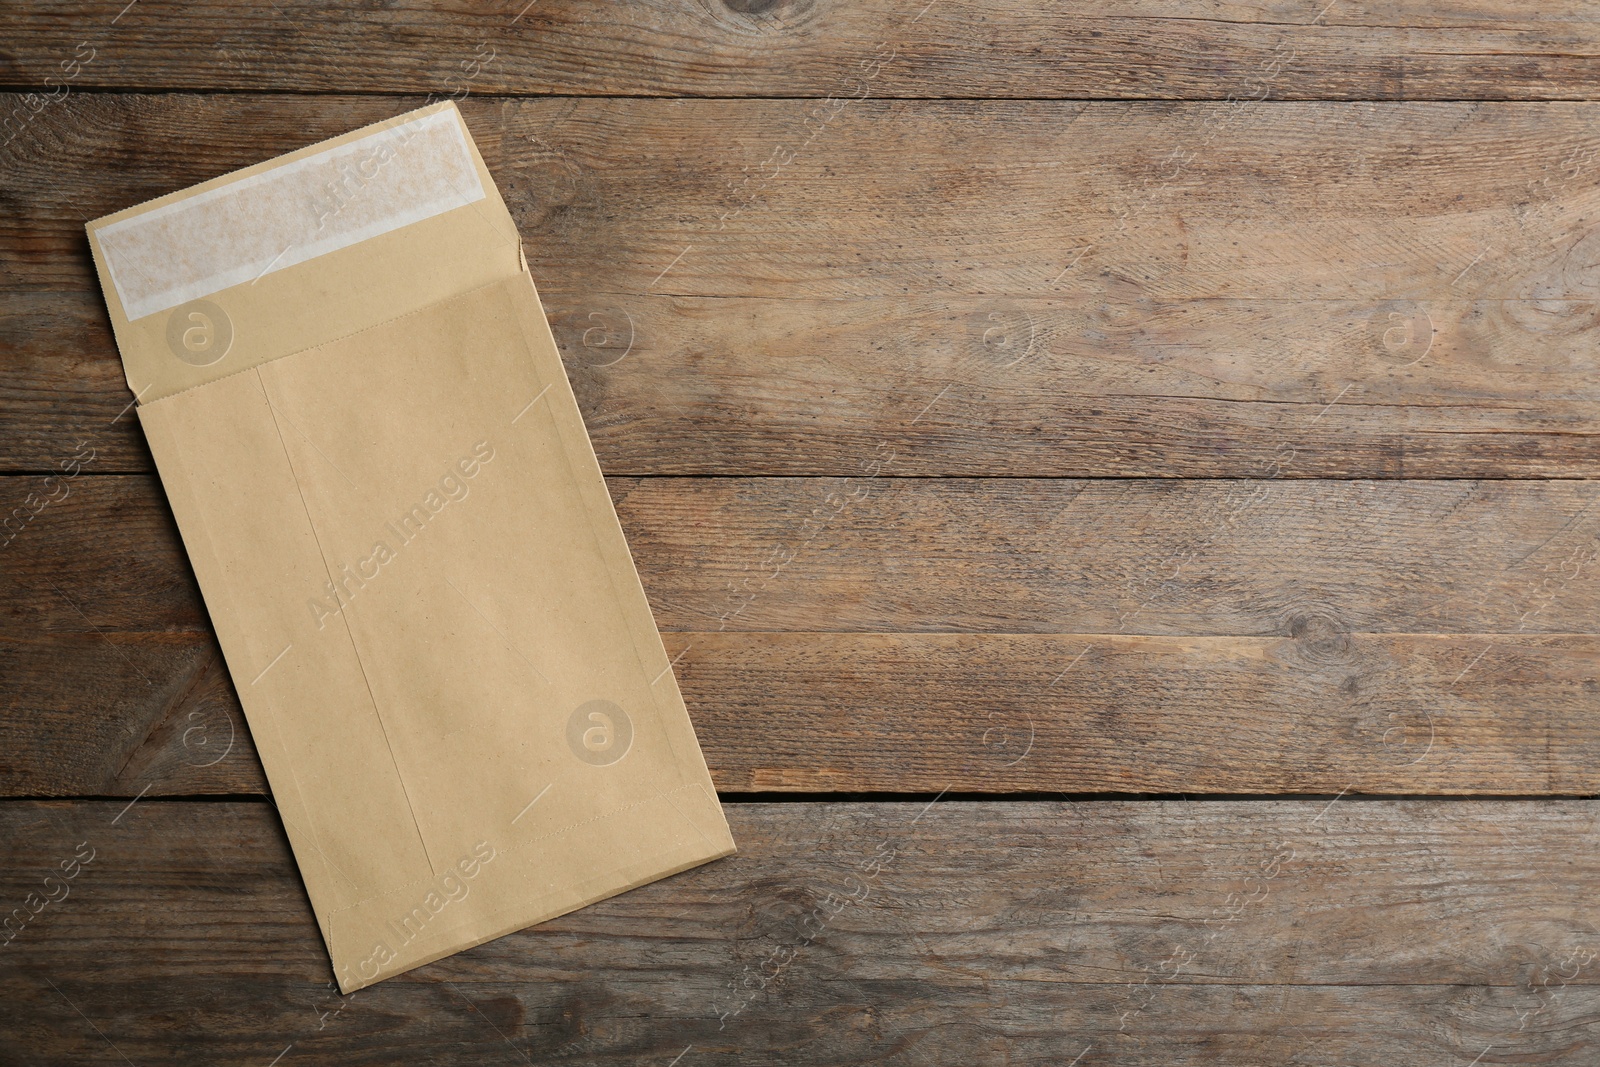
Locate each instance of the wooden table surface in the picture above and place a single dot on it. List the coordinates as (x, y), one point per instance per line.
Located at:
(1119, 476)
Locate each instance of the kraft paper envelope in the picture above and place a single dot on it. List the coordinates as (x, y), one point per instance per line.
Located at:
(424, 597)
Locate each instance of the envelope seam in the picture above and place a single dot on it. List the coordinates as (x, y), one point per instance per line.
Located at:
(443, 302)
(354, 648)
(184, 485)
(523, 846)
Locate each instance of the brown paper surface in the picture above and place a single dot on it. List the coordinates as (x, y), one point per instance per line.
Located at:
(413, 566)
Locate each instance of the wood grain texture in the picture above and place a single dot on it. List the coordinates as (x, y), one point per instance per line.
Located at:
(1026, 933)
(116, 715)
(1222, 557)
(965, 386)
(1212, 558)
(1421, 49)
(1313, 713)
(898, 330)
(61, 386)
(980, 635)
(1382, 290)
(774, 198)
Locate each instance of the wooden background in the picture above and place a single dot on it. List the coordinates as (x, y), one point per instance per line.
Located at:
(1119, 475)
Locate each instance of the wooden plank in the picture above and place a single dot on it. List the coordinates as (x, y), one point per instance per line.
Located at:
(117, 715)
(1220, 557)
(1391, 291)
(1421, 49)
(980, 555)
(134, 568)
(1382, 637)
(1313, 713)
(61, 386)
(1120, 933)
(700, 386)
(1273, 201)
(99, 714)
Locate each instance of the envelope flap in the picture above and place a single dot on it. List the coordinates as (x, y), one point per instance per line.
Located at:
(350, 233)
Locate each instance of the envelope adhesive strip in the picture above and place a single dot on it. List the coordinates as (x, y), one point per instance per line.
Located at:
(274, 219)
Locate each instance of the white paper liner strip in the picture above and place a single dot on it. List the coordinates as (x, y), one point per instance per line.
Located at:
(276, 218)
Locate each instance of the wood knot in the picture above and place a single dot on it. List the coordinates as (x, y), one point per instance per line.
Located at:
(759, 17)
(1321, 638)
